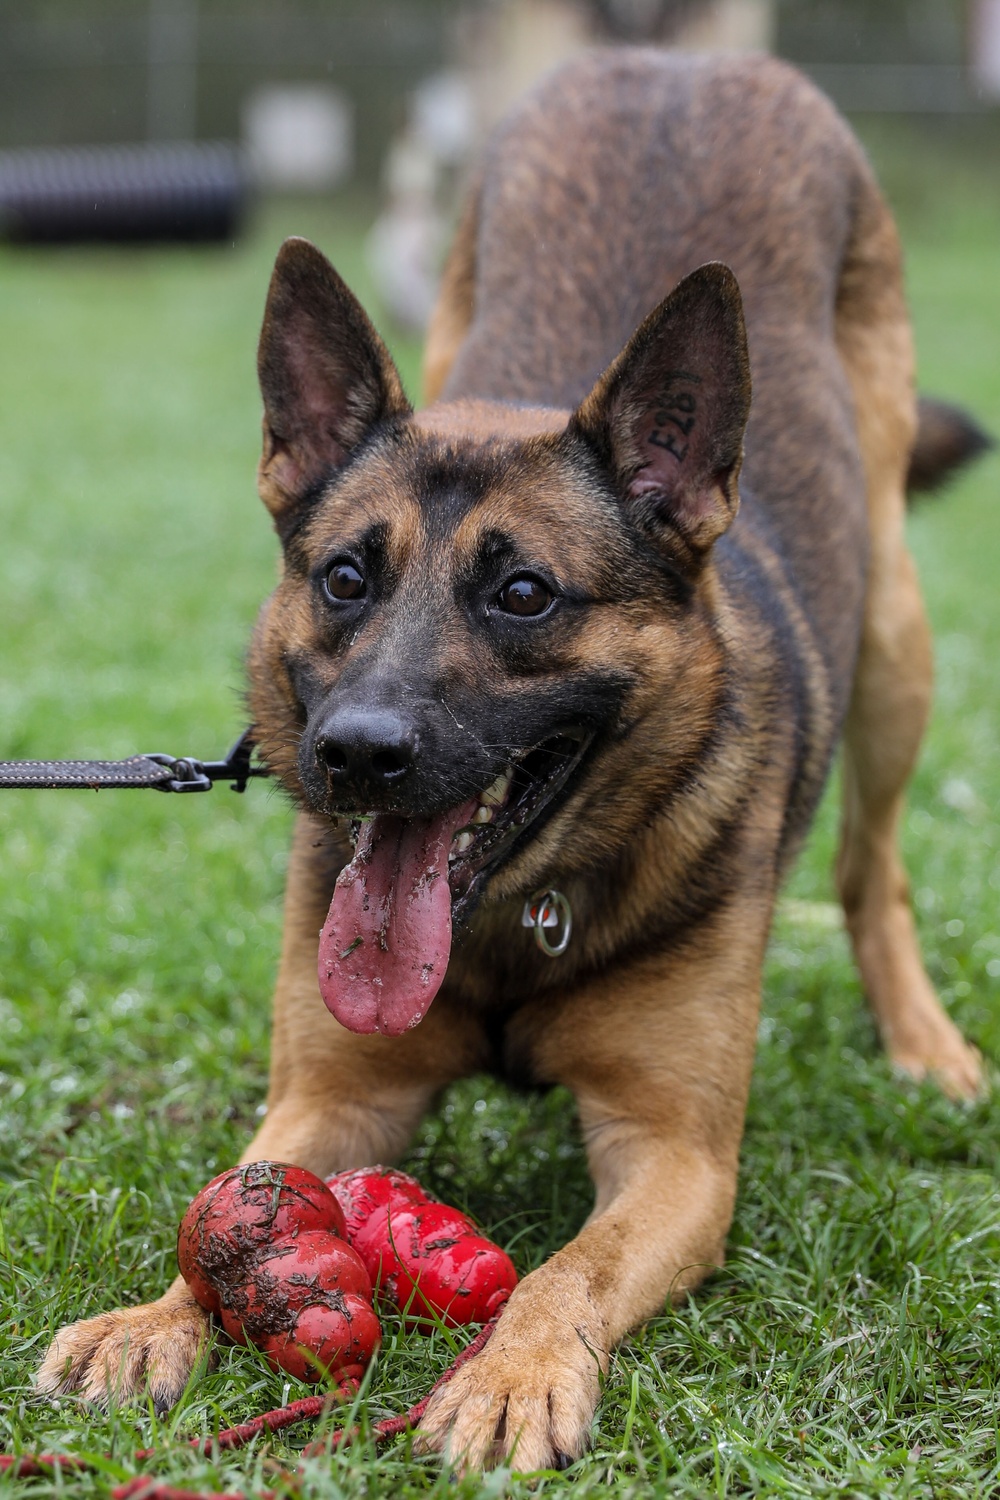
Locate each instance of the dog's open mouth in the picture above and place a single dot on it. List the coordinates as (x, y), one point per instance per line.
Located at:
(385, 944)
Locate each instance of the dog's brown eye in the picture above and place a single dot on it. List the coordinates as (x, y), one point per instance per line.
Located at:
(524, 596)
(345, 582)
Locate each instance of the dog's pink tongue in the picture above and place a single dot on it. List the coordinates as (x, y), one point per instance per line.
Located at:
(384, 947)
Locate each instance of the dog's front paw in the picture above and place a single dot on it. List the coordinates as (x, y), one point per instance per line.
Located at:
(529, 1398)
(111, 1358)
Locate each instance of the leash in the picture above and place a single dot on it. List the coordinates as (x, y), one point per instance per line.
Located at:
(160, 773)
(38, 1465)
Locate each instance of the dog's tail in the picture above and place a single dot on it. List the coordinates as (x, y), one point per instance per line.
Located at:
(947, 439)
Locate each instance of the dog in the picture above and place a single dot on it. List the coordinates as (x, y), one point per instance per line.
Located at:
(580, 638)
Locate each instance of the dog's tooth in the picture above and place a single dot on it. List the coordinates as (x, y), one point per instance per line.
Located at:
(463, 841)
(483, 815)
(496, 792)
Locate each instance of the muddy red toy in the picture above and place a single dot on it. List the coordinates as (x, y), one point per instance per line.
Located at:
(287, 1262)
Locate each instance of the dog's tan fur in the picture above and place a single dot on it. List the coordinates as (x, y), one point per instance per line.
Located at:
(655, 1039)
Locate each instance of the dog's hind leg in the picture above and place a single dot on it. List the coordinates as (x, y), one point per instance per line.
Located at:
(892, 686)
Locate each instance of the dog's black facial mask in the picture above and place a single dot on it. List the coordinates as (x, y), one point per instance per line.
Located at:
(452, 629)
(435, 661)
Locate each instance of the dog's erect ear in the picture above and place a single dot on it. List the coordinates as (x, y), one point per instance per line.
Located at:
(668, 415)
(325, 376)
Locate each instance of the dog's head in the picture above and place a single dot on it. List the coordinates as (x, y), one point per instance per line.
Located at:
(485, 614)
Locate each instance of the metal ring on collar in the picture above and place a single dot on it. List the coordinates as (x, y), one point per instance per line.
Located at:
(542, 901)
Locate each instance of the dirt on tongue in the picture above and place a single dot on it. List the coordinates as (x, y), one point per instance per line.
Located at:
(385, 944)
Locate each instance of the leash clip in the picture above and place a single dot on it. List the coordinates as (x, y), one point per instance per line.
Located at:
(549, 909)
(188, 774)
(192, 775)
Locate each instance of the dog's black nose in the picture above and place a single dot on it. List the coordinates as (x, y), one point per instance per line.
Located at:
(366, 749)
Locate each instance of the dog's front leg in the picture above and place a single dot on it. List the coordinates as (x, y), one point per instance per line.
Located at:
(336, 1100)
(659, 1058)
(343, 1101)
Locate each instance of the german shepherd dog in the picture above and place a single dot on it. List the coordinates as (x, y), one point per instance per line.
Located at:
(592, 622)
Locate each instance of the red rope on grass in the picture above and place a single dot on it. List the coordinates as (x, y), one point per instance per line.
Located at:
(34, 1465)
(143, 1488)
(273, 1421)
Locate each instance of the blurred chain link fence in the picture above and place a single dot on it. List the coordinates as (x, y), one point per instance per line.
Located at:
(93, 71)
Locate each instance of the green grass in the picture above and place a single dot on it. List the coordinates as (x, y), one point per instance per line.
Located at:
(852, 1345)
